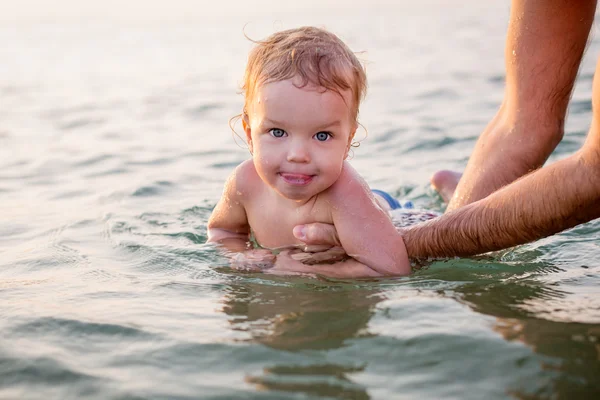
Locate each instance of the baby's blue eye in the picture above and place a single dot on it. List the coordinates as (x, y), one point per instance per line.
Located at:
(276, 132)
(322, 136)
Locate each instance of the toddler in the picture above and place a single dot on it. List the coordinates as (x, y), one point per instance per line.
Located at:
(302, 90)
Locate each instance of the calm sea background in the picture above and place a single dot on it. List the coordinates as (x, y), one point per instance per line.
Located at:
(114, 146)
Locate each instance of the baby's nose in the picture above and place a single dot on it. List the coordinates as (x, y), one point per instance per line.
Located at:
(298, 152)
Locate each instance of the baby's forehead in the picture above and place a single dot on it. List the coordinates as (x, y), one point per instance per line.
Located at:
(287, 88)
(288, 105)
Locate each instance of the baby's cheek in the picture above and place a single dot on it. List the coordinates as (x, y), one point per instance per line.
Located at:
(336, 166)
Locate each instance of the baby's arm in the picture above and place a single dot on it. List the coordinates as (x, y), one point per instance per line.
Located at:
(366, 231)
(228, 224)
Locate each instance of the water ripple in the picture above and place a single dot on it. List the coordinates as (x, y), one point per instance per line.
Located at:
(81, 123)
(200, 111)
(42, 373)
(156, 189)
(76, 329)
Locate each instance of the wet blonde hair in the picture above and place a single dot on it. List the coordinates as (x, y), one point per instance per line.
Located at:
(313, 55)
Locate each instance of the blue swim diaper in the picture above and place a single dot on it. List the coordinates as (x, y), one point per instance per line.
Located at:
(392, 201)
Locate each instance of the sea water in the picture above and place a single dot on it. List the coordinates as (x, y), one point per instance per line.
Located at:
(114, 146)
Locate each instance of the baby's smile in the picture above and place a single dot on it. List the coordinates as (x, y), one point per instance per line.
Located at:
(296, 179)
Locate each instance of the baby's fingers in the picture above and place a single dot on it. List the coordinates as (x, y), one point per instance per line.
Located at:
(253, 260)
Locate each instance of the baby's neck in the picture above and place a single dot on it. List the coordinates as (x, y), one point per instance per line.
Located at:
(294, 203)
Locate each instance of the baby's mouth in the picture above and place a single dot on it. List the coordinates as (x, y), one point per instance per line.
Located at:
(296, 179)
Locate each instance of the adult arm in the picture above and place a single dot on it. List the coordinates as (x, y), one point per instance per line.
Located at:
(545, 42)
(540, 204)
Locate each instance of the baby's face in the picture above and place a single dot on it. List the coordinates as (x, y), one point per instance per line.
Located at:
(299, 137)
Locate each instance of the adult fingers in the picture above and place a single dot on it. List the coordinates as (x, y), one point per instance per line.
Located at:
(317, 234)
(329, 256)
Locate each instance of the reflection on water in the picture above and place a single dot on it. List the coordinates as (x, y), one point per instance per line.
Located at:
(521, 307)
(295, 319)
(574, 350)
(313, 380)
(313, 317)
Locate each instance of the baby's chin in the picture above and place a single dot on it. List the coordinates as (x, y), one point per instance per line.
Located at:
(297, 194)
(301, 191)
(297, 197)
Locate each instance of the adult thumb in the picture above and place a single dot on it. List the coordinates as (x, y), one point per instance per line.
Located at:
(317, 234)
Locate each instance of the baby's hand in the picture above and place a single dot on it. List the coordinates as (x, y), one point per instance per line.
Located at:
(286, 264)
(253, 260)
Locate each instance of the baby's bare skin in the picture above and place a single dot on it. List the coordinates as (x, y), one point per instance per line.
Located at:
(298, 175)
(362, 226)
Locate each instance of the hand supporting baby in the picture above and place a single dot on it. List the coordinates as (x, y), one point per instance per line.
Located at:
(287, 259)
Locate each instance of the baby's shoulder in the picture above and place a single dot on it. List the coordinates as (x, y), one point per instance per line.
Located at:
(349, 183)
(243, 179)
(246, 170)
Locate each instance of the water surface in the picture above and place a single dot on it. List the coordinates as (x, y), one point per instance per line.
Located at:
(114, 147)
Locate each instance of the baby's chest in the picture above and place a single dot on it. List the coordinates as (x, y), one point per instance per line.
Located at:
(272, 225)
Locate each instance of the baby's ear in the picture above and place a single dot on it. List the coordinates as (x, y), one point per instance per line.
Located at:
(246, 125)
(350, 139)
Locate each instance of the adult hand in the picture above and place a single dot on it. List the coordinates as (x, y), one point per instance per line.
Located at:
(317, 234)
(328, 256)
(287, 264)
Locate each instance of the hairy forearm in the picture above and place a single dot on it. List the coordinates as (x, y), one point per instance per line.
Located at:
(538, 82)
(540, 204)
(530, 122)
